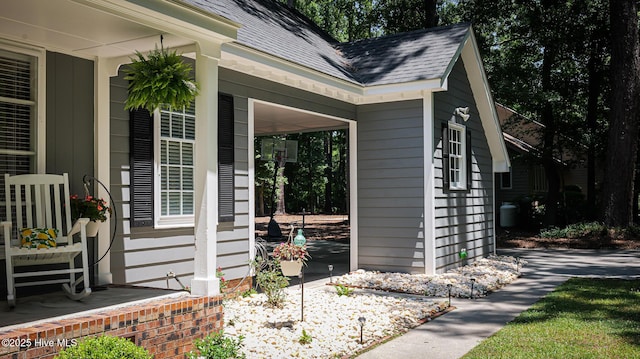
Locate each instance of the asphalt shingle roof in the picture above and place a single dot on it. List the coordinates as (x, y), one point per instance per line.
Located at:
(273, 28)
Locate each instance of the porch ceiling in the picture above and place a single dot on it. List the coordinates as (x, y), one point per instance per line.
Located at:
(64, 25)
(273, 120)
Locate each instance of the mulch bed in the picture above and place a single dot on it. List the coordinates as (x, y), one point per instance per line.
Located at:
(522, 239)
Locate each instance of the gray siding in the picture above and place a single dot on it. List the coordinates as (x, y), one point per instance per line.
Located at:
(143, 256)
(390, 187)
(69, 116)
(463, 219)
(520, 182)
(140, 256)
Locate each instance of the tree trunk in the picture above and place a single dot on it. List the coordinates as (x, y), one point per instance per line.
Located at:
(548, 142)
(430, 14)
(622, 150)
(328, 172)
(592, 117)
(260, 201)
(280, 208)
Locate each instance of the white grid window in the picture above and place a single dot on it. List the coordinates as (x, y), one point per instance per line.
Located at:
(457, 161)
(176, 166)
(17, 112)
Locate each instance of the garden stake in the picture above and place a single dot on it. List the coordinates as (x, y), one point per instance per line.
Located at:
(362, 320)
(473, 280)
(301, 276)
(449, 287)
(330, 273)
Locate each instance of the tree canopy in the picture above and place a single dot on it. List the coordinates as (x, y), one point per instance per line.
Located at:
(551, 61)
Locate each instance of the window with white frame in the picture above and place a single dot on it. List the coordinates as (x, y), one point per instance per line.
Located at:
(457, 161)
(162, 165)
(176, 141)
(17, 112)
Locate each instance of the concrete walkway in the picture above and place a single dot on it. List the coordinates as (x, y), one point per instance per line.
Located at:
(454, 334)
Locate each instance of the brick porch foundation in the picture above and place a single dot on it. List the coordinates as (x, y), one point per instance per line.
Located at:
(165, 327)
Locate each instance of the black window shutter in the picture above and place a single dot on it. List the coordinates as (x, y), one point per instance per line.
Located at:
(469, 160)
(226, 195)
(445, 156)
(141, 162)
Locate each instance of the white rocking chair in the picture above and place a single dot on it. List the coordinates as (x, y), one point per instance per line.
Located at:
(39, 205)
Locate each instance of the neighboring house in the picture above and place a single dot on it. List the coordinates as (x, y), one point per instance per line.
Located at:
(527, 178)
(421, 177)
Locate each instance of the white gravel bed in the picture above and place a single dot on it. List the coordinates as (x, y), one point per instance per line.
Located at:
(332, 320)
(487, 275)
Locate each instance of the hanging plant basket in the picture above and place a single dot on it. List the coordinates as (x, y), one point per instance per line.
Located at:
(291, 268)
(160, 78)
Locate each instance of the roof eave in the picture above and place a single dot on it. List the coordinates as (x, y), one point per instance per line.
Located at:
(254, 62)
(173, 16)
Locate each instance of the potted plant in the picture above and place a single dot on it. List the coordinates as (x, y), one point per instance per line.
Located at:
(96, 209)
(162, 78)
(291, 257)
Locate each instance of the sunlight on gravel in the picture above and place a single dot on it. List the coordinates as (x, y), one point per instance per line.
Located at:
(392, 303)
(487, 275)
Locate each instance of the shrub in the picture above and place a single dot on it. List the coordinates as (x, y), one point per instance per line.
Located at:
(343, 290)
(249, 292)
(105, 347)
(270, 279)
(217, 346)
(576, 230)
(305, 338)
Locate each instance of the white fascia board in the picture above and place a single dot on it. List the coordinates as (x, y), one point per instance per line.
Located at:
(485, 104)
(259, 64)
(172, 16)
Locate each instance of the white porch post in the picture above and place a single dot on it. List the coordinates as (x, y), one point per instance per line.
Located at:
(103, 70)
(428, 222)
(205, 281)
(353, 195)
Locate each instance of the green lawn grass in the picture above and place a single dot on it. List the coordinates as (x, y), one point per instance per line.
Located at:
(583, 318)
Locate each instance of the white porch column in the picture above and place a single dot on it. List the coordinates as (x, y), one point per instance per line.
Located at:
(428, 222)
(103, 70)
(205, 281)
(353, 195)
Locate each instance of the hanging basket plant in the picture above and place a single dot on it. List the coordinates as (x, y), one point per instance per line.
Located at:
(160, 78)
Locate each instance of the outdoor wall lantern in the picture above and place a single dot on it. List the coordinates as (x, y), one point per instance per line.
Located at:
(362, 320)
(463, 112)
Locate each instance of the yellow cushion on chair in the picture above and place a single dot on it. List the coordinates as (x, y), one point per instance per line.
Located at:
(38, 237)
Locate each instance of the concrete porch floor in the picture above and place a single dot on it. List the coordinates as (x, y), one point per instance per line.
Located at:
(36, 308)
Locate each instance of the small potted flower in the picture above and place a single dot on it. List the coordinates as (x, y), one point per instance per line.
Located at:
(291, 257)
(96, 209)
